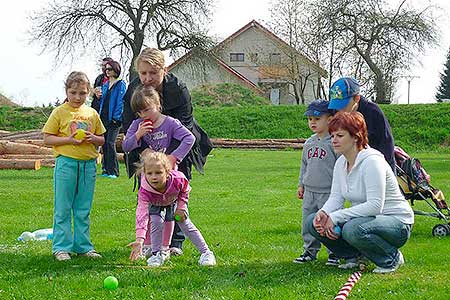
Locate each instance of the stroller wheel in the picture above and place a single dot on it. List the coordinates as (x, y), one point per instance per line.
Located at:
(440, 230)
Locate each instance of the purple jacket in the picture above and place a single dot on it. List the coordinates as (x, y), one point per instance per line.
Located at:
(159, 139)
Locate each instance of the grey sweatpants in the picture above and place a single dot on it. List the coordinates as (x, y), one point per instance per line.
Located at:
(312, 203)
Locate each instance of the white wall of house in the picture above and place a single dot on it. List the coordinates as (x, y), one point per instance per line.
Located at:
(194, 74)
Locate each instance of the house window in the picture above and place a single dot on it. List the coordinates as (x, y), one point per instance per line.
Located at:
(236, 56)
(275, 58)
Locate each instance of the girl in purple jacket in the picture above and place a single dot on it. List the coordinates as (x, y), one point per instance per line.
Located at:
(163, 197)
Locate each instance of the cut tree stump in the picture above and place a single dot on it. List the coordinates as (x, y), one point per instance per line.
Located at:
(17, 164)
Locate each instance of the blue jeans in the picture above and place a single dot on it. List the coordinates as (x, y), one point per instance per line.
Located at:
(74, 183)
(110, 164)
(377, 238)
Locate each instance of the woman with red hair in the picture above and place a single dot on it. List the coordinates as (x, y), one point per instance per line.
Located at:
(379, 220)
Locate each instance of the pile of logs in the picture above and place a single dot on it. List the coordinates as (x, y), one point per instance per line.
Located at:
(26, 149)
(17, 155)
(259, 144)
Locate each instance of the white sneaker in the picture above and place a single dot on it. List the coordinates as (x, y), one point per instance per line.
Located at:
(349, 263)
(207, 259)
(156, 260)
(175, 251)
(91, 253)
(61, 256)
(165, 254)
(400, 262)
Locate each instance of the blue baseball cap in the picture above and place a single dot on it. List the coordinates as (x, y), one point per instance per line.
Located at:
(317, 108)
(342, 91)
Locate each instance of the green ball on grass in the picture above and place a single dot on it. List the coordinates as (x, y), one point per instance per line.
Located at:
(110, 283)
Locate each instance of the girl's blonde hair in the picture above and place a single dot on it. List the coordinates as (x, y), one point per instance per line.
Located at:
(75, 78)
(143, 97)
(148, 157)
(152, 56)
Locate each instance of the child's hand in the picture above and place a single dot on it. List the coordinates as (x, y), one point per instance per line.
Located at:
(173, 161)
(320, 222)
(73, 140)
(90, 137)
(136, 249)
(300, 192)
(144, 127)
(182, 214)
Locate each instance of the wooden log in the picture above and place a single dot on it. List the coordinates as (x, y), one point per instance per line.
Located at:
(26, 156)
(274, 147)
(4, 132)
(121, 157)
(18, 164)
(29, 134)
(7, 147)
(39, 143)
(48, 162)
(258, 141)
(119, 141)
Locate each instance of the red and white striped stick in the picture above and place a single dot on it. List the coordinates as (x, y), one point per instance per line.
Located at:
(345, 290)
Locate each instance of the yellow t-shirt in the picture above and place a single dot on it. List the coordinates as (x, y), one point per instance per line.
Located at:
(65, 120)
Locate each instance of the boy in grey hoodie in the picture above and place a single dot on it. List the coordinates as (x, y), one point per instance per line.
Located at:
(316, 174)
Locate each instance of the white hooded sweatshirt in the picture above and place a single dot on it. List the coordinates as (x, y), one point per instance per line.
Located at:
(370, 186)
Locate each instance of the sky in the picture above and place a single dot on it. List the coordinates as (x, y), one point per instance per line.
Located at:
(29, 77)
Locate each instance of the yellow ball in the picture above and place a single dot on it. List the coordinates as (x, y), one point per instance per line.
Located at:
(80, 134)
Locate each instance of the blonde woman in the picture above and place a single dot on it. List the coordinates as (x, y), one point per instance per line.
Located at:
(176, 103)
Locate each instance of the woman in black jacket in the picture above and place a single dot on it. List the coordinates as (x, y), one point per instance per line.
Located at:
(176, 102)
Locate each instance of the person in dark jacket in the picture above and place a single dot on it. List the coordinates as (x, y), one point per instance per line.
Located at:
(345, 96)
(98, 83)
(176, 103)
(111, 110)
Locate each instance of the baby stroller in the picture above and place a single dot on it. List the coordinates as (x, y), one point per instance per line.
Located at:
(414, 183)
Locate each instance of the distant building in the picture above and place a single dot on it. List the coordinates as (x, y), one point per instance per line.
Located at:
(256, 58)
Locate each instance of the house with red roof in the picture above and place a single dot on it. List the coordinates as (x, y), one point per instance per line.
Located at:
(256, 58)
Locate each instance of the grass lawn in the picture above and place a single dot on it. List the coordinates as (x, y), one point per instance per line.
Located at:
(246, 208)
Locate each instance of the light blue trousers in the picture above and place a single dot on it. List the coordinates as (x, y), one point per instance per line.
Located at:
(377, 238)
(73, 184)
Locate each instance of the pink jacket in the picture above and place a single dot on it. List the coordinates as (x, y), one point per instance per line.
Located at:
(177, 189)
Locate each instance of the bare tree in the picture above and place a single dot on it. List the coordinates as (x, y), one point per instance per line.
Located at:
(384, 34)
(373, 40)
(68, 27)
(288, 20)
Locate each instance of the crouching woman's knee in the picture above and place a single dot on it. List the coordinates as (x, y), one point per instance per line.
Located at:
(353, 233)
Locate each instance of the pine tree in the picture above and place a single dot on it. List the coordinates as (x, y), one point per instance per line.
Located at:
(444, 88)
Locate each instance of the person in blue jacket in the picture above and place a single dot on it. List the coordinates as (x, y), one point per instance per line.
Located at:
(111, 111)
(345, 96)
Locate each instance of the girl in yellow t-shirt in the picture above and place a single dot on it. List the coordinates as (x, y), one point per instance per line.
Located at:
(75, 132)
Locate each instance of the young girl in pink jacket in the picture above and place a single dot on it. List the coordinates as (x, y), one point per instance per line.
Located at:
(163, 198)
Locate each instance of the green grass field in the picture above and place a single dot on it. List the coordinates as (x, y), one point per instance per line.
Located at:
(245, 207)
